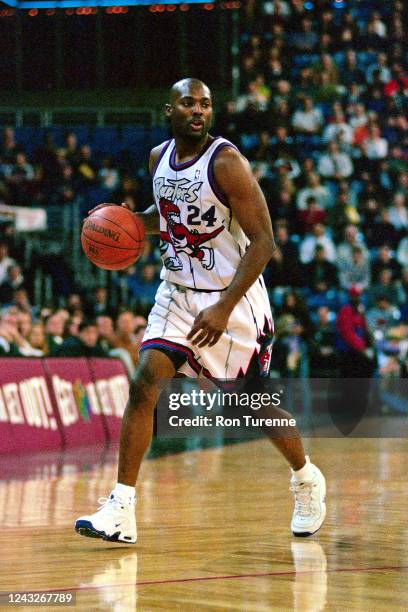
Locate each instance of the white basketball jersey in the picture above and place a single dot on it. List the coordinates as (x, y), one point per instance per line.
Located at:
(201, 241)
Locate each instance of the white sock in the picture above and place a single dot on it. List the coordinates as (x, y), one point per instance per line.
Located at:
(124, 491)
(305, 473)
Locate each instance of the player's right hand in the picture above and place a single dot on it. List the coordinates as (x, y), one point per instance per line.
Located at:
(107, 204)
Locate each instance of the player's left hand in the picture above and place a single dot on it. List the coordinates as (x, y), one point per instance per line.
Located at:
(209, 325)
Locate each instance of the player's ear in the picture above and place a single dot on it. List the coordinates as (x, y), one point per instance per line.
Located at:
(167, 109)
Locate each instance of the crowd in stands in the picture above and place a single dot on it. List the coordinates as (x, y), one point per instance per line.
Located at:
(322, 117)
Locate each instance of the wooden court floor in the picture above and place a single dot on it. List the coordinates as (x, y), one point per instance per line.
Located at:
(213, 531)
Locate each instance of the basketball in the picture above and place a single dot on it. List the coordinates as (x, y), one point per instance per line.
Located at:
(113, 237)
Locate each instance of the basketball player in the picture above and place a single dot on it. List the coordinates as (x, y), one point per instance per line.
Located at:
(212, 314)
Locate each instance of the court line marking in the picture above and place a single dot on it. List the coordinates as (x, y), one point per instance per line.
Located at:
(137, 583)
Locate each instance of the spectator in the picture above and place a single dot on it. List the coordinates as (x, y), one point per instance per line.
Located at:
(309, 120)
(384, 286)
(108, 175)
(54, 330)
(14, 280)
(5, 261)
(375, 146)
(352, 239)
(355, 353)
(339, 129)
(355, 273)
(334, 164)
(283, 269)
(85, 345)
(382, 316)
(312, 240)
(321, 274)
(402, 252)
(323, 353)
(398, 214)
(309, 217)
(385, 261)
(314, 190)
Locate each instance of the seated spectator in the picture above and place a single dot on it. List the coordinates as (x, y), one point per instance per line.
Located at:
(382, 231)
(108, 175)
(294, 305)
(86, 170)
(283, 269)
(398, 214)
(19, 176)
(289, 357)
(382, 316)
(255, 97)
(375, 147)
(13, 281)
(381, 67)
(334, 164)
(144, 285)
(326, 90)
(54, 330)
(309, 120)
(71, 150)
(352, 74)
(323, 349)
(5, 261)
(385, 261)
(312, 240)
(320, 273)
(339, 129)
(262, 151)
(227, 122)
(99, 304)
(124, 336)
(37, 339)
(8, 146)
(314, 190)
(326, 65)
(309, 217)
(84, 345)
(355, 356)
(402, 286)
(384, 287)
(355, 273)
(304, 40)
(352, 239)
(402, 252)
(342, 214)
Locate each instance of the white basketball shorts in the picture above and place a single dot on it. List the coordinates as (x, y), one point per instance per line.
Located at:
(244, 348)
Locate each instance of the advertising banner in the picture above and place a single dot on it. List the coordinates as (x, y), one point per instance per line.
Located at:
(28, 420)
(112, 389)
(76, 402)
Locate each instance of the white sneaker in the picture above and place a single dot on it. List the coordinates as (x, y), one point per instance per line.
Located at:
(310, 507)
(114, 521)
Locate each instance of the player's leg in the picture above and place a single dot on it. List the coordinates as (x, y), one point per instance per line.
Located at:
(115, 519)
(137, 424)
(238, 352)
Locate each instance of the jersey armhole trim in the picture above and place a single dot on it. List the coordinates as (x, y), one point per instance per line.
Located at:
(211, 176)
(161, 155)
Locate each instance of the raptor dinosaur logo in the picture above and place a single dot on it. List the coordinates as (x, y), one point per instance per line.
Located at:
(178, 238)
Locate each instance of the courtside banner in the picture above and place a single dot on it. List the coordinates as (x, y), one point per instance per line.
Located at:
(28, 420)
(112, 390)
(76, 401)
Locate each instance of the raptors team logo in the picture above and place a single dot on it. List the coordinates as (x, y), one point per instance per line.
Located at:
(178, 238)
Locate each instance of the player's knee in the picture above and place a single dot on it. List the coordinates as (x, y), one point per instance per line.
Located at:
(145, 381)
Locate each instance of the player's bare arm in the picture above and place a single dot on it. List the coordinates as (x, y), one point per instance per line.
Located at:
(234, 177)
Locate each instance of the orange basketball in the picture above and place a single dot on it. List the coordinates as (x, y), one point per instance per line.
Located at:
(113, 237)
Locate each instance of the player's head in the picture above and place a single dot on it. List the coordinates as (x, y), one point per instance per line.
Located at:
(189, 109)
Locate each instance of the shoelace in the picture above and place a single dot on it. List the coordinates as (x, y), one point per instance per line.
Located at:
(112, 503)
(303, 497)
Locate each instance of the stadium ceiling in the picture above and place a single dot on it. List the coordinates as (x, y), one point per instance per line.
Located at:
(56, 4)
